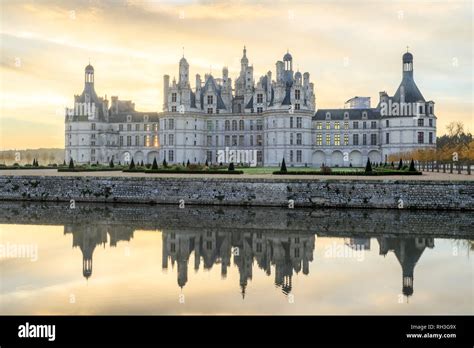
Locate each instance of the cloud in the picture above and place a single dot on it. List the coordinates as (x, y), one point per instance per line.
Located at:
(133, 43)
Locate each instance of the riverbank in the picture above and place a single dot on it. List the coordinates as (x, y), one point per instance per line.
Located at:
(417, 192)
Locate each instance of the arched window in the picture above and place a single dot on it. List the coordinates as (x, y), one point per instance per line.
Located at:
(227, 125)
(234, 125)
(241, 125)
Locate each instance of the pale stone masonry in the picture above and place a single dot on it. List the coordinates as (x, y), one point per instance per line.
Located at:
(335, 193)
(270, 118)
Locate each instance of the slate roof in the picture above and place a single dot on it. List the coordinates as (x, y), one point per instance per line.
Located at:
(412, 93)
(354, 114)
(211, 83)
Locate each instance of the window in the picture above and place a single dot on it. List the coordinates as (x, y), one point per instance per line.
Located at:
(364, 139)
(210, 99)
(373, 124)
(121, 140)
(155, 127)
(234, 140)
(430, 122)
(259, 140)
(209, 125)
(93, 126)
(171, 155)
(291, 155)
(328, 139)
(355, 139)
(227, 140)
(241, 140)
(298, 156)
(319, 125)
(251, 140)
(355, 125)
(209, 156)
(146, 140)
(299, 122)
(346, 125)
(137, 140)
(259, 125)
(299, 138)
(291, 138)
(217, 140)
(421, 122)
(328, 125)
(234, 125)
(297, 106)
(171, 123)
(171, 139)
(137, 127)
(337, 139)
(430, 137)
(387, 138)
(210, 110)
(259, 109)
(387, 123)
(155, 140)
(173, 108)
(346, 139)
(259, 98)
(251, 124)
(241, 125)
(291, 122)
(336, 125)
(297, 94)
(373, 139)
(147, 127)
(319, 139)
(209, 140)
(227, 125)
(364, 125)
(421, 138)
(173, 97)
(120, 127)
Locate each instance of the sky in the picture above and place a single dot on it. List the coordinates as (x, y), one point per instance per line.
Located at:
(350, 48)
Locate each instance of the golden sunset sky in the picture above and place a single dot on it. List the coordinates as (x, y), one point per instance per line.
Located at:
(349, 47)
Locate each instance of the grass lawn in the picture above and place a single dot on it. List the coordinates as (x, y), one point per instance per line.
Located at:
(270, 170)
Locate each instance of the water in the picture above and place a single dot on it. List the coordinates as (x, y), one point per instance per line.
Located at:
(128, 259)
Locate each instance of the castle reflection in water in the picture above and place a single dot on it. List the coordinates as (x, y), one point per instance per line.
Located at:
(285, 253)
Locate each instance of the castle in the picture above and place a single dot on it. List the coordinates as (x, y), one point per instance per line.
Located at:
(274, 119)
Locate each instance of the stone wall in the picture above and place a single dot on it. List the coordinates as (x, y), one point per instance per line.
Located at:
(126, 218)
(332, 193)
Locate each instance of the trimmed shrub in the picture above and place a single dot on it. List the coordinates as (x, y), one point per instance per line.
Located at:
(368, 167)
(154, 166)
(283, 166)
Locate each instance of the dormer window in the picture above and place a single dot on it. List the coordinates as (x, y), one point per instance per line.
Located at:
(364, 115)
(129, 118)
(173, 97)
(328, 115)
(297, 94)
(210, 99)
(145, 118)
(346, 115)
